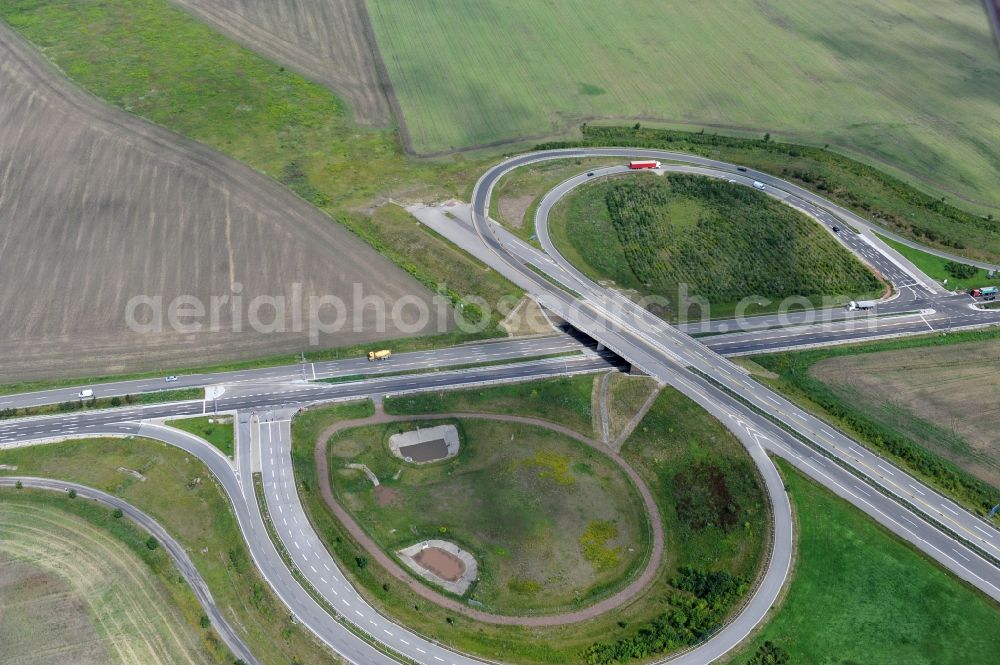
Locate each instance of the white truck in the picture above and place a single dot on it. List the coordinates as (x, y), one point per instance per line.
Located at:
(860, 305)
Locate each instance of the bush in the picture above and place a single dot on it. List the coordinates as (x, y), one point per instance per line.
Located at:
(152, 543)
(117, 513)
(960, 270)
(71, 494)
(770, 653)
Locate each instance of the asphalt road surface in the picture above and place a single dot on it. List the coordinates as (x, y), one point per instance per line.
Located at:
(174, 549)
(127, 420)
(510, 349)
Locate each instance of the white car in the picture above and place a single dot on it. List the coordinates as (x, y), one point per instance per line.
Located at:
(731, 182)
(170, 379)
(758, 184)
(84, 394)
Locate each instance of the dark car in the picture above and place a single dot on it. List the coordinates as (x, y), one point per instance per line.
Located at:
(741, 168)
(590, 174)
(836, 229)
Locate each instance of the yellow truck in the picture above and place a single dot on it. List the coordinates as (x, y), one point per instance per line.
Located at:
(379, 355)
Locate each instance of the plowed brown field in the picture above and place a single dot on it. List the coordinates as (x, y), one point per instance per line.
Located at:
(97, 207)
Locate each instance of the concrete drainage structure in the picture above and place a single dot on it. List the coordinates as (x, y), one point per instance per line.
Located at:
(422, 446)
(442, 563)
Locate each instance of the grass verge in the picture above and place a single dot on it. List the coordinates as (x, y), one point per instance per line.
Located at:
(943, 270)
(217, 430)
(565, 401)
(861, 595)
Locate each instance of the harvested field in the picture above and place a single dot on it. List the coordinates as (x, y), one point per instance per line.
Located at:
(131, 612)
(42, 620)
(329, 41)
(941, 397)
(97, 207)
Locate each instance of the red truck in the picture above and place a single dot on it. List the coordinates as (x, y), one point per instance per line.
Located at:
(644, 164)
(988, 292)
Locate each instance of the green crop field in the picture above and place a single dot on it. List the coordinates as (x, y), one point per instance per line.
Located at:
(543, 492)
(860, 595)
(687, 236)
(914, 86)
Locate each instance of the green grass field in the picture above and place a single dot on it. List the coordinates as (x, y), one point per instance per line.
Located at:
(860, 595)
(935, 268)
(914, 86)
(934, 451)
(702, 480)
(542, 493)
(216, 430)
(136, 615)
(181, 495)
(717, 241)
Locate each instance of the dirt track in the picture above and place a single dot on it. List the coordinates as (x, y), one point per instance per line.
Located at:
(97, 206)
(597, 609)
(328, 41)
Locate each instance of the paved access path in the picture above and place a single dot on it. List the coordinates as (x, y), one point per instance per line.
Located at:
(590, 612)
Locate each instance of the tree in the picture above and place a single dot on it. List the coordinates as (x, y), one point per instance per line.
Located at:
(205, 621)
(71, 494)
(152, 543)
(767, 137)
(637, 126)
(18, 485)
(361, 561)
(117, 513)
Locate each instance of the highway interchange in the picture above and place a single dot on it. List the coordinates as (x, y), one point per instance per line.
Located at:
(264, 401)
